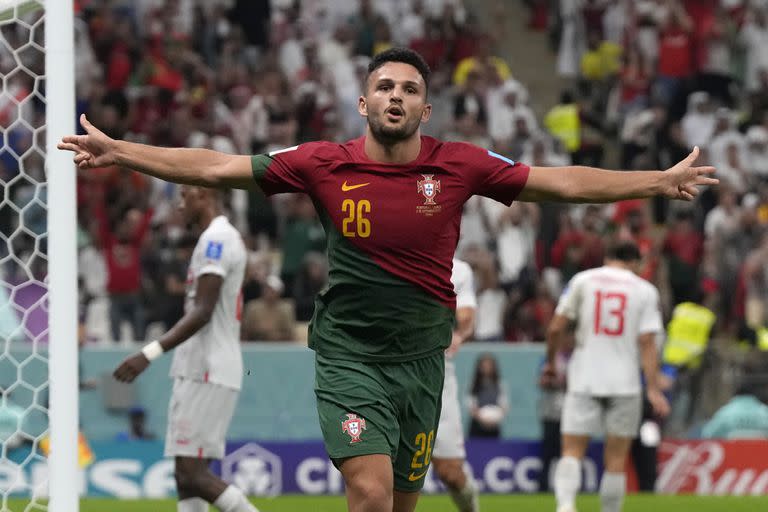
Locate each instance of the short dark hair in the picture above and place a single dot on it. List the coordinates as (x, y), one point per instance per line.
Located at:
(624, 251)
(400, 54)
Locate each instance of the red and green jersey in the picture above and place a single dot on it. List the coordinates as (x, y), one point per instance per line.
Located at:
(392, 230)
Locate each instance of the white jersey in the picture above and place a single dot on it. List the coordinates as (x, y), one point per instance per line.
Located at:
(463, 284)
(612, 307)
(213, 354)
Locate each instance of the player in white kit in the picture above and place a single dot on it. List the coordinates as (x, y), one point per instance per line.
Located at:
(616, 316)
(207, 367)
(448, 454)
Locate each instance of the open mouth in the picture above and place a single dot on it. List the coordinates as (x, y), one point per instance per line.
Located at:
(395, 113)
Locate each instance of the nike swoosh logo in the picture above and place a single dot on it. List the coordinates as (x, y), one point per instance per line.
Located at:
(347, 188)
(416, 476)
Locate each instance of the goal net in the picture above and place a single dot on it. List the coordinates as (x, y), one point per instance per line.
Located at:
(27, 334)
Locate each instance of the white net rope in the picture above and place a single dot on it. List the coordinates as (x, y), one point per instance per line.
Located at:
(23, 259)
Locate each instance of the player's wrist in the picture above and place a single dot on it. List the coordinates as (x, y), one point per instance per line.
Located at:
(152, 350)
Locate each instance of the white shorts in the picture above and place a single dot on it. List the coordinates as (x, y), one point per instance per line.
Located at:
(449, 443)
(198, 418)
(588, 415)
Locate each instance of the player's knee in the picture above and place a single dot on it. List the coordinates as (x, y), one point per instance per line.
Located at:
(452, 475)
(370, 493)
(188, 478)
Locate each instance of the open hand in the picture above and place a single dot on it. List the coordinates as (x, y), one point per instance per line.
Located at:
(682, 181)
(95, 149)
(131, 367)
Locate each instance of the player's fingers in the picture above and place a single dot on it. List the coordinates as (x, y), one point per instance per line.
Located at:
(707, 169)
(81, 157)
(67, 146)
(704, 180)
(85, 123)
(692, 156)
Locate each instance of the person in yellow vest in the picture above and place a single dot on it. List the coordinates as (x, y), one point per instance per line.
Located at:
(579, 131)
(688, 336)
(564, 123)
(756, 337)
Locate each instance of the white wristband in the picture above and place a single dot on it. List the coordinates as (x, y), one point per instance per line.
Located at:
(152, 350)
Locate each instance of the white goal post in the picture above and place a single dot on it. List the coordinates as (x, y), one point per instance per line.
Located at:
(62, 258)
(37, 69)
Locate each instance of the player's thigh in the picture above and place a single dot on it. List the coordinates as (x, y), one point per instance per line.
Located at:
(449, 443)
(418, 385)
(623, 415)
(582, 415)
(357, 416)
(405, 501)
(199, 415)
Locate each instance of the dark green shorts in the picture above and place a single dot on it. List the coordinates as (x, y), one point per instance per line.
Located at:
(394, 408)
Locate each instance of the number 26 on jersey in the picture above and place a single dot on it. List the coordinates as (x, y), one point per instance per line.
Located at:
(356, 222)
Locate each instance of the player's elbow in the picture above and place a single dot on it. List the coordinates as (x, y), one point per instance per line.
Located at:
(204, 313)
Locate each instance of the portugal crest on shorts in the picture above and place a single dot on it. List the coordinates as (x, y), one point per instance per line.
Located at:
(353, 426)
(429, 188)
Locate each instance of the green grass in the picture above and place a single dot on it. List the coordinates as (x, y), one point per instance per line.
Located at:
(491, 503)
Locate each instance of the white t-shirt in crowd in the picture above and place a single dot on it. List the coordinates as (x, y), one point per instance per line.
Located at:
(213, 354)
(612, 307)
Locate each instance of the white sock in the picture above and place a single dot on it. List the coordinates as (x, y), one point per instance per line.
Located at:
(192, 505)
(612, 489)
(567, 482)
(467, 499)
(233, 500)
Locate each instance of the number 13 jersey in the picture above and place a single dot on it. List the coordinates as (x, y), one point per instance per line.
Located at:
(612, 307)
(392, 230)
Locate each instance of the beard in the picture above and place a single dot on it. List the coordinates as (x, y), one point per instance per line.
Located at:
(389, 134)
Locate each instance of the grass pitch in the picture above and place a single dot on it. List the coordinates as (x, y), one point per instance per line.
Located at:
(489, 503)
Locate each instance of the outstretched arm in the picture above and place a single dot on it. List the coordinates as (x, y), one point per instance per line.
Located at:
(201, 167)
(589, 185)
(206, 296)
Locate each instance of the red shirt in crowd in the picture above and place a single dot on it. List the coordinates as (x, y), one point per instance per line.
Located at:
(675, 53)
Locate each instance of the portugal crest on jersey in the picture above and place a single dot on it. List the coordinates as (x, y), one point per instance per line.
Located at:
(429, 188)
(353, 426)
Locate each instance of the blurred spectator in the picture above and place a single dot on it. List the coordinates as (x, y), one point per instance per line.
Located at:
(676, 62)
(743, 417)
(311, 280)
(270, 317)
(515, 239)
(757, 151)
(699, 121)
(122, 253)
(491, 301)
(684, 249)
(137, 428)
(303, 234)
(494, 68)
(578, 248)
(487, 399)
(754, 38)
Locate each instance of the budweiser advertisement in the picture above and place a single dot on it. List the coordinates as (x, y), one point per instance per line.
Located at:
(713, 467)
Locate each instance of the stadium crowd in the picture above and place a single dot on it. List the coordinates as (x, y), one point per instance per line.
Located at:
(647, 81)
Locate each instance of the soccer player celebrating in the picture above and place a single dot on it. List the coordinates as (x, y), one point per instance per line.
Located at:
(617, 317)
(449, 454)
(207, 366)
(390, 202)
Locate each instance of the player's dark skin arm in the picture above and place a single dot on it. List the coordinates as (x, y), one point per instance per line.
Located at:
(206, 296)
